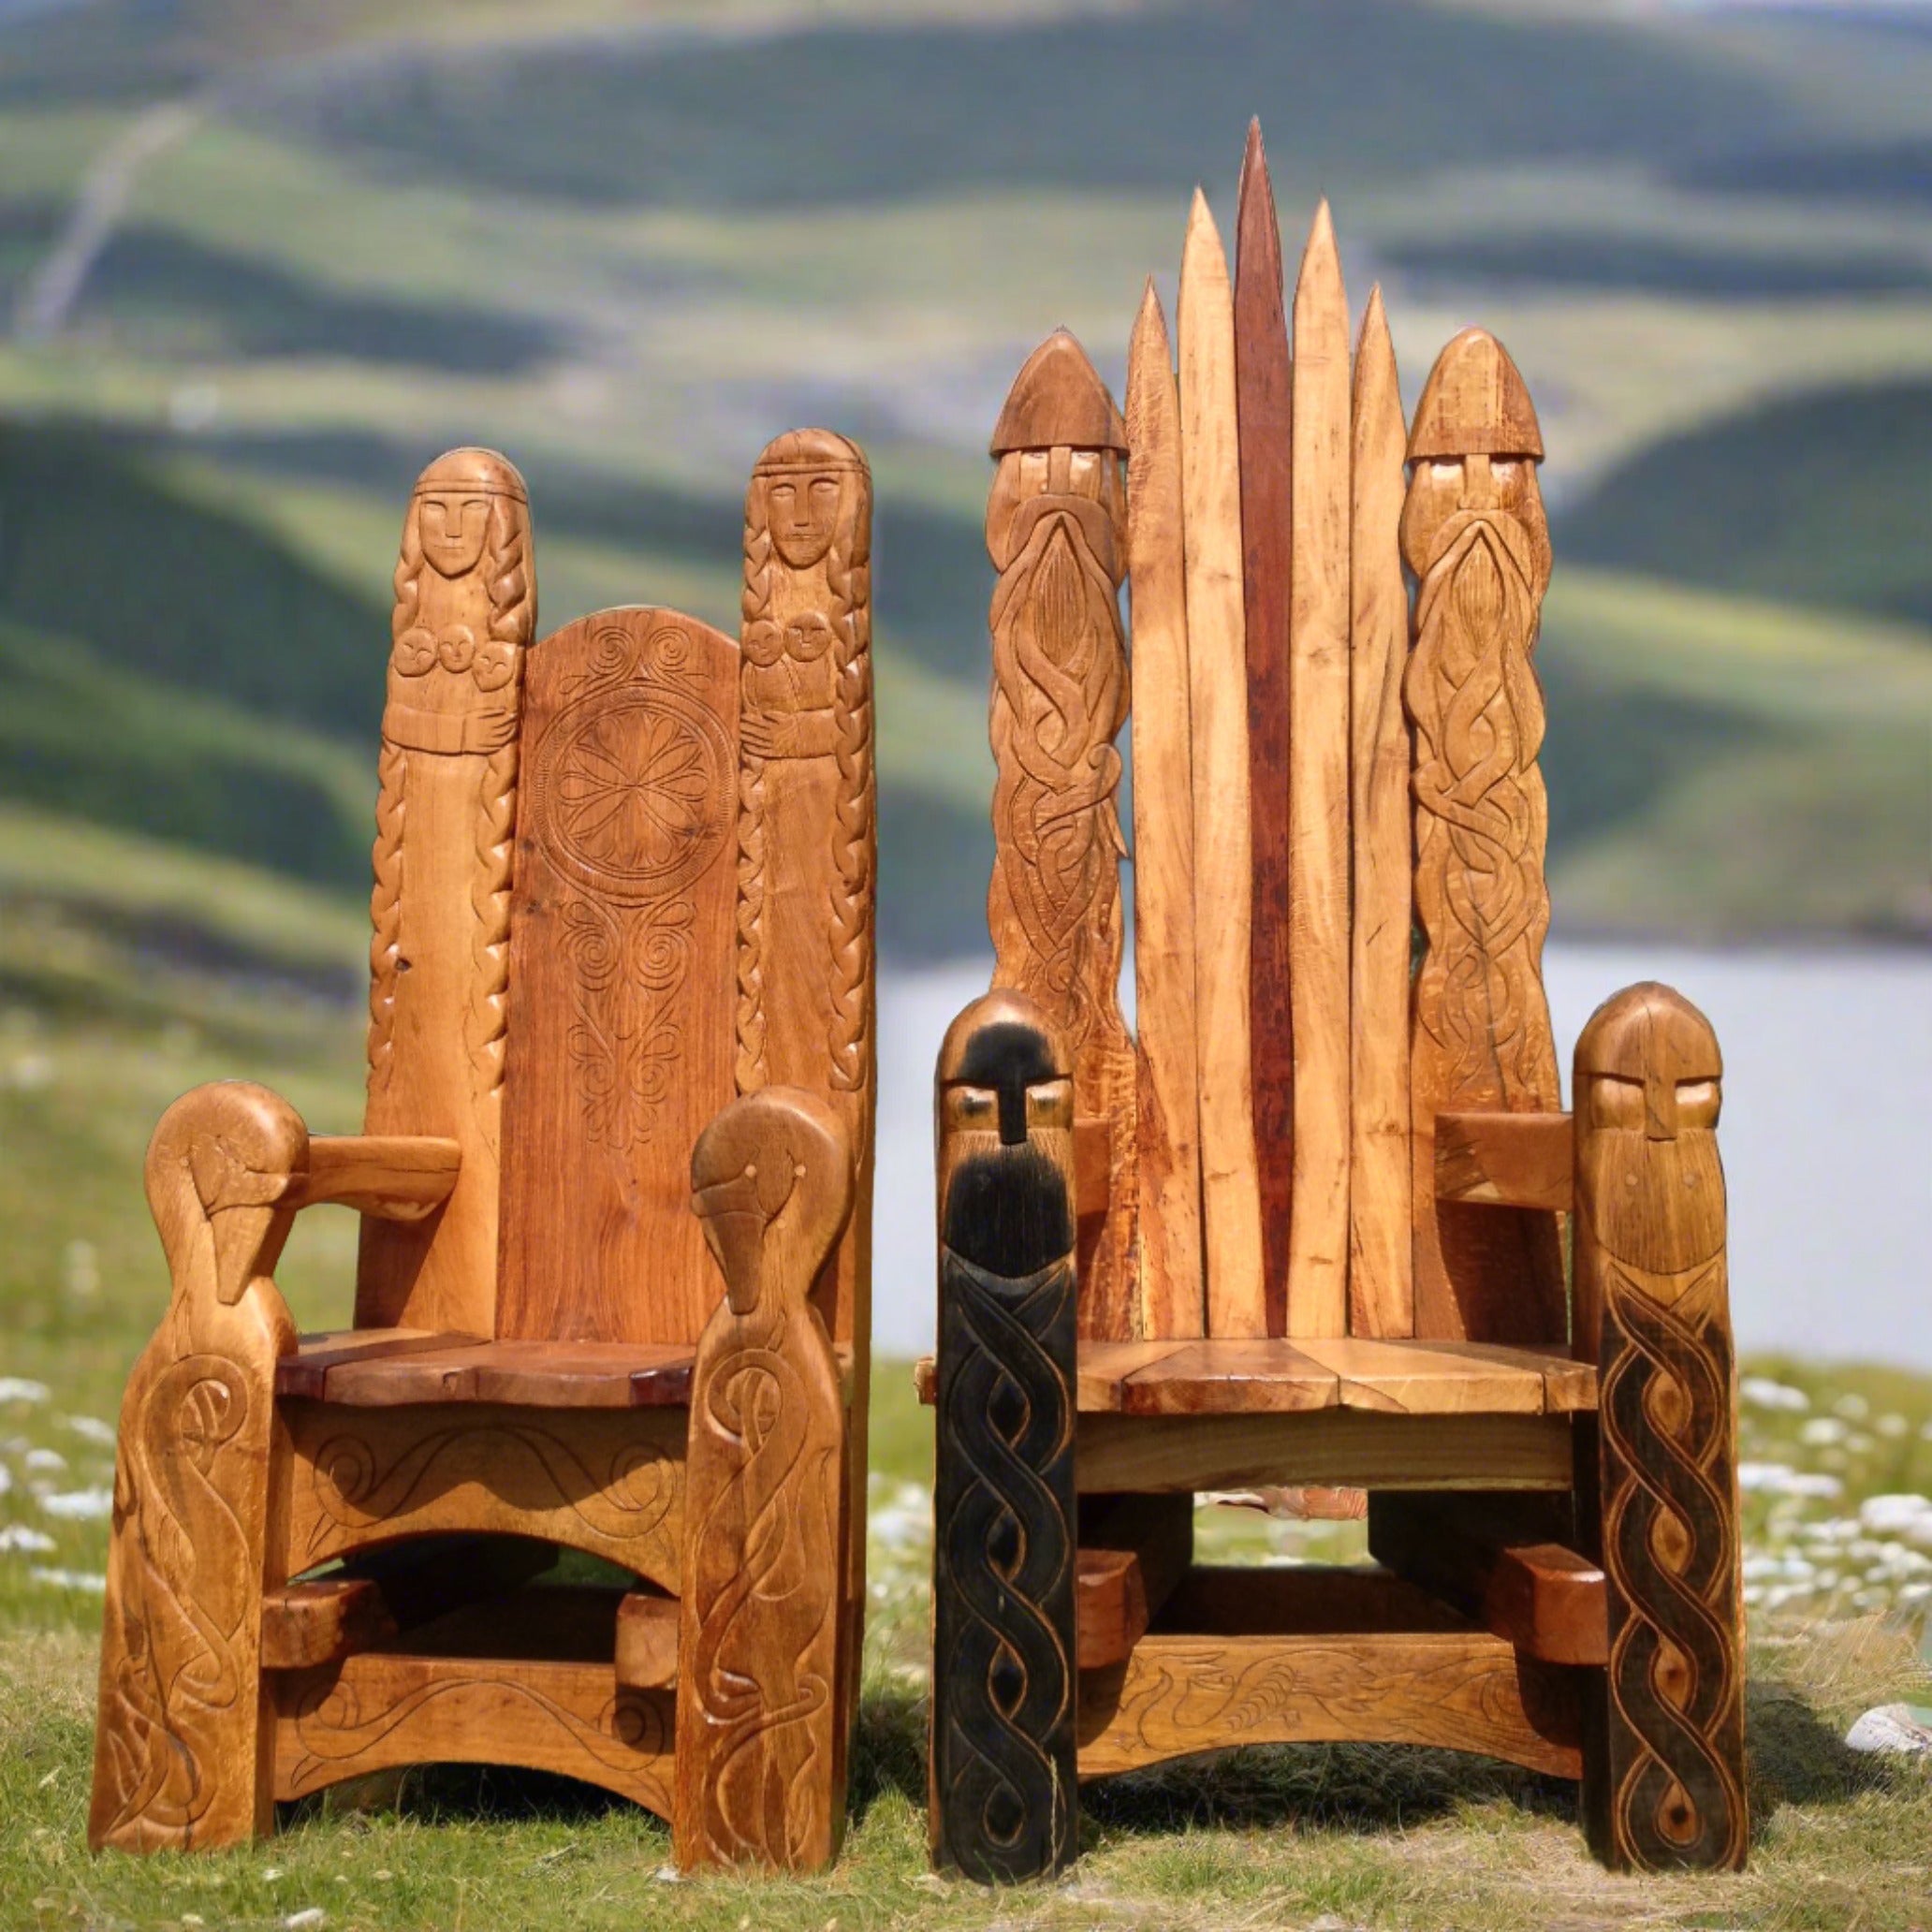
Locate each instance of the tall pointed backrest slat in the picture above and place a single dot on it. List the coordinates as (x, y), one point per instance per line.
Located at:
(465, 612)
(1318, 794)
(1055, 530)
(621, 946)
(1474, 535)
(1382, 1300)
(1210, 469)
(1167, 1128)
(1264, 382)
(807, 848)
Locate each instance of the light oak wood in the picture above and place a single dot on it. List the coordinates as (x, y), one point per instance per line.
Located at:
(1265, 406)
(763, 1706)
(623, 1045)
(1505, 1160)
(465, 616)
(646, 1641)
(391, 1176)
(305, 1624)
(1474, 534)
(1213, 1377)
(1409, 1379)
(1056, 530)
(1380, 1291)
(1664, 1785)
(1467, 1691)
(1327, 1448)
(1168, 1130)
(1223, 848)
(1318, 794)
(305, 1372)
(531, 1374)
(1133, 1551)
(1498, 1559)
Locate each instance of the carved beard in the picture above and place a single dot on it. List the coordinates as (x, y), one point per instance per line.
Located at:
(1006, 1209)
(1622, 1175)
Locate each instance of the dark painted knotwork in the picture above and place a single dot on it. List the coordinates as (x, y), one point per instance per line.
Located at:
(1003, 1641)
(1664, 1770)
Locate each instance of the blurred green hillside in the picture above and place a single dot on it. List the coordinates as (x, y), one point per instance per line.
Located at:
(259, 264)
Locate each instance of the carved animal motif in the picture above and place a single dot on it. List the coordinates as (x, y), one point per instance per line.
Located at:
(1473, 533)
(1664, 1785)
(1054, 529)
(181, 1750)
(445, 821)
(760, 1713)
(1002, 1678)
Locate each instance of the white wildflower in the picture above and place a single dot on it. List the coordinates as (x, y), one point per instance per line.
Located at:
(79, 1505)
(31, 1072)
(1765, 1392)
(17, 1389)
(1852, 1407)
(17, 1536)
(91, 1428)
(1820, 1430)
(1905, 1516)
(1892, 1426)
(68, 1579)
(48, 1459)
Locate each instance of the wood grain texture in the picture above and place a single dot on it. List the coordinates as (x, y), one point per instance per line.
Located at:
(1223, 838)
(623, 918)
(1318, 794)
(1056, 532)
(305, 1372)
(1326, 1448)
(1265, 409)
(1665, 1783)
(446, 820)
(525, 1374)
(1133, 1551)
(306, 1624)
(1473, 533)
(1412, 1380)
(1505, 1160)
(1501, 1560)
(1460, 1691)
(1168, 1120)
(393, 1176)
(761, 1710)
(1382, 1299)
(183, 1747)
(608, 1482)
(646, 1641)
(1003, 1773)
(1217, 1377)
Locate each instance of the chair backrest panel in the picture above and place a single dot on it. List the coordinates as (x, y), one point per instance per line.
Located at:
(623, 935)
(465, 612)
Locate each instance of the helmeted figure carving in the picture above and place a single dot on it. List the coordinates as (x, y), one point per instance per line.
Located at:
(1003, 1679)
(1652, 1297)
(1474, 534)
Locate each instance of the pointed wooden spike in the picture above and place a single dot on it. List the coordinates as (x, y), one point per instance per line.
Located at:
(1169, 1150)
(1475, 403)
(1218, 686)
(1058, 397)
(1381, 1298)
(1317, 799)
(1265, 406)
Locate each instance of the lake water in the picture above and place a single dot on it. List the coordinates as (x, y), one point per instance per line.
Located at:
(1825, 1136)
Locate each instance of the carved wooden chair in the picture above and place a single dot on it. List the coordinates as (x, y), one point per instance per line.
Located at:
(622, 970)
(1306, 1228)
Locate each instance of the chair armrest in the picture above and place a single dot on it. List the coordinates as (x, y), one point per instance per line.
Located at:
(1498, 1160)
(394, 1177)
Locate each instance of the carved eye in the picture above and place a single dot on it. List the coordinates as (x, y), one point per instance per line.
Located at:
(1698, 1103)
(1051, 1104)
(1614, 1103)
(972, 1107)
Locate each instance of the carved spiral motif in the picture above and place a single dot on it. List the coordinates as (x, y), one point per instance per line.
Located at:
(1003, 1678)
(1665, 1406)
(385, 914)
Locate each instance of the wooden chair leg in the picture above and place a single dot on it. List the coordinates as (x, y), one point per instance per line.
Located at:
(760, 1705)
(1003, 1642)
(1664, 1774)
(182, 1747)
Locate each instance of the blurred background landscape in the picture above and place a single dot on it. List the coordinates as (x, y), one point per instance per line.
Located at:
(258, 263)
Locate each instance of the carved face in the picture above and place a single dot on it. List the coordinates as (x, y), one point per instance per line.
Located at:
(804, 511)
(453, 524)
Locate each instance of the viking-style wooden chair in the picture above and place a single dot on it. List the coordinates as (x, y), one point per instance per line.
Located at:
(622, 970)
(1307, 1227)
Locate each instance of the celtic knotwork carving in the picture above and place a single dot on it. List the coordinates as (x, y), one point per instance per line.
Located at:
(1004, 1659)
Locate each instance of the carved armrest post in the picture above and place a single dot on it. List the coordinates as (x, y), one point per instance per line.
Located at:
(1663, 1777)
(182, 1750)
(1004, 1684)
(759, 1767)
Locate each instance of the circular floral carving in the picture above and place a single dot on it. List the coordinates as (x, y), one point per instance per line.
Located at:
(633, 791)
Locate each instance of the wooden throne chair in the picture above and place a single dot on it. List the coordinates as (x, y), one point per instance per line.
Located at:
(1306, 1226)
(614, 1278)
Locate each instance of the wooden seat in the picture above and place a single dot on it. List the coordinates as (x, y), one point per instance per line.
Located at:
(1305, 1226)
(614, 1275)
